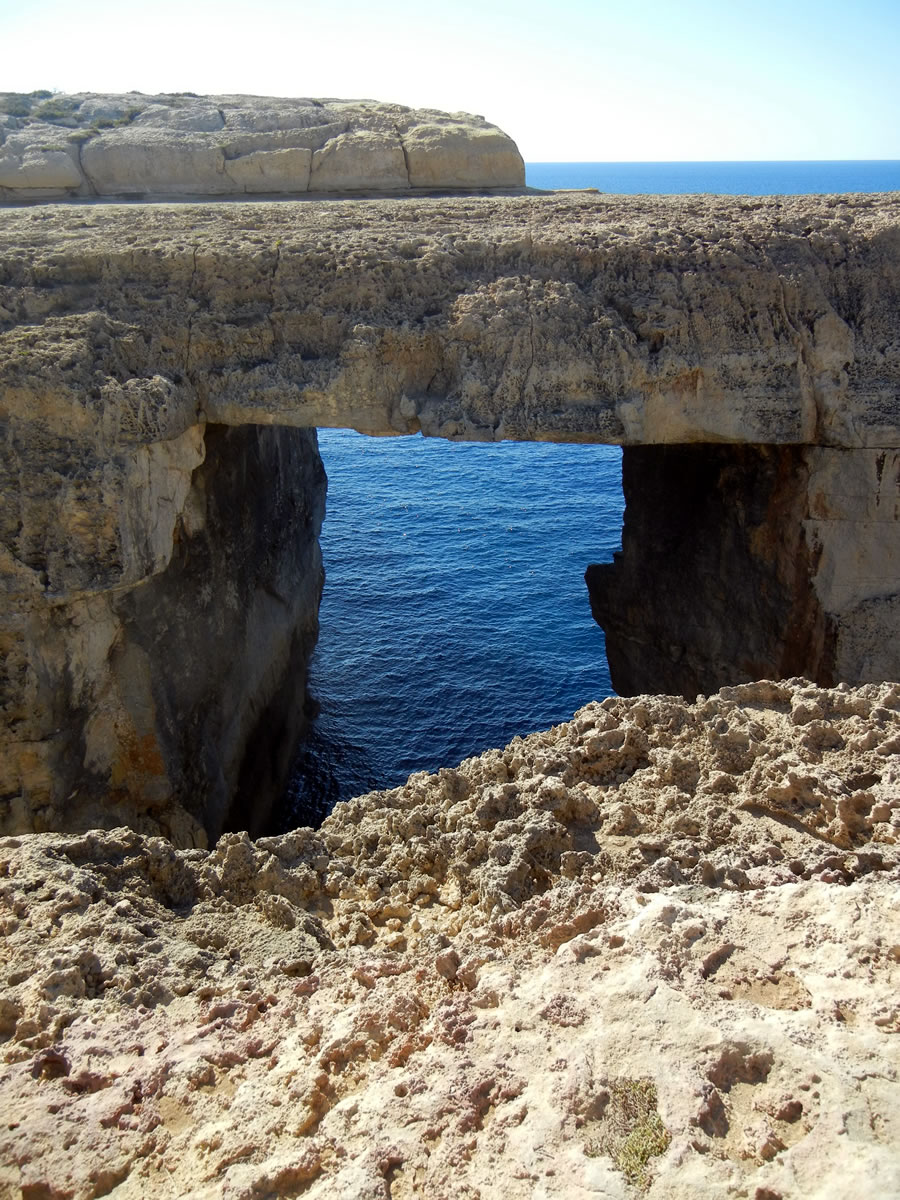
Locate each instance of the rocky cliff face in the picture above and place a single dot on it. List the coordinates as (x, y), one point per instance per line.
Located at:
(731, 518)
(126, 332)
(652, 949)
(220, 640)
(166, 690)
(70, 146)
(637, 320)
(655, 948)
(730, 562)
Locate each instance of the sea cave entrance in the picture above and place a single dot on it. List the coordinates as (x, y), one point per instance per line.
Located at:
(454, 614)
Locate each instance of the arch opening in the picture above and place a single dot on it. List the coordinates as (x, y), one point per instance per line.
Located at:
(454, 614)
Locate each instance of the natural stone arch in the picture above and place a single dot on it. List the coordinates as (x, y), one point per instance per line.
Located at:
(130, 335)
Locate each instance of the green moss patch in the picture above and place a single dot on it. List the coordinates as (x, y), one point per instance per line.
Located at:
(56, 109)
(632, 1130)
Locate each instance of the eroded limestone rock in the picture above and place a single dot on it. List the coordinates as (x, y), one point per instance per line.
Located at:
(164, 687)
(644, 321)
(795, 557)
(465, 984)
(69, 146)
(638, 320)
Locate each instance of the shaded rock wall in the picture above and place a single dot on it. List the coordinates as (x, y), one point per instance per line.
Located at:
(228, 628)
(752, 562)
(173, 702)
(713, 582)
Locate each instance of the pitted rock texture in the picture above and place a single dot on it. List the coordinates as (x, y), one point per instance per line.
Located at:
(80, 145)
(653, 949)
(635, 320)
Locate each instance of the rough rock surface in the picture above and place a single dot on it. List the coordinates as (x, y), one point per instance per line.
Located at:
(158, 681)
(126, 331)
(653, 949)
(636, 320)
(81, 145)
(787, 548)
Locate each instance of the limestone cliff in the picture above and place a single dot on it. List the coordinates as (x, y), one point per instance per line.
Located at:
(654, 949)
(750, 562)
(165, 689)
(637, 320)
(82, 145)
(127, 331)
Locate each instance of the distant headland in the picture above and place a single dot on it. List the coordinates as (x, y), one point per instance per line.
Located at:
(83, 145)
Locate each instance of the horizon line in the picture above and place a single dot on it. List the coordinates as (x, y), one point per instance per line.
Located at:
(540, 162)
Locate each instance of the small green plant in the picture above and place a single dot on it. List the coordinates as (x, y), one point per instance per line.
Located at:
(56, 109)
(112, 122)
(20, 104)
(15, 104)
(633, 1131)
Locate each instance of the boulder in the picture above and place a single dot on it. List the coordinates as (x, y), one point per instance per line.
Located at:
(125, 163)
(33, 167)
(362, 160)
(271, 170)
(447, 156)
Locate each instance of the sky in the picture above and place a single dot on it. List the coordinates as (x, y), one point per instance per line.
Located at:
(570, 80)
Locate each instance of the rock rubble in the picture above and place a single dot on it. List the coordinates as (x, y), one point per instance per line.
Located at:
(653, 950)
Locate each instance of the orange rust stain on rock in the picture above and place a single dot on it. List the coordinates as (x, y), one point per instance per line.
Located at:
(687, 382)
(140, 755)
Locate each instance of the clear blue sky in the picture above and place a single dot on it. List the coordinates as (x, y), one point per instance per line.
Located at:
(572, 80)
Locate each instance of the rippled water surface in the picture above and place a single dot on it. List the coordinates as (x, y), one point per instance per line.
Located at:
(721, 178)
(455, 613)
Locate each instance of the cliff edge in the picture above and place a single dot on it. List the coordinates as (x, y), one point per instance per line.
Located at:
(746, 351)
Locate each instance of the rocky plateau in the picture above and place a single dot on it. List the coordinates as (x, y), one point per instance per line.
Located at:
(55, 146)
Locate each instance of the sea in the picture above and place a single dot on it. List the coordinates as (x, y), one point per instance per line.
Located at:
(455, 614)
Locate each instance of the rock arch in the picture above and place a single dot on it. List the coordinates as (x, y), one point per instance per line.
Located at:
(157, 360)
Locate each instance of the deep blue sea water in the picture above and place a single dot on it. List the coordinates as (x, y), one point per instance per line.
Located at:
(723, 178)
(455, 614)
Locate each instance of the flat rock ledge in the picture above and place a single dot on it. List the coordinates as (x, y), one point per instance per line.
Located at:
(655, 950)
(83, 145)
